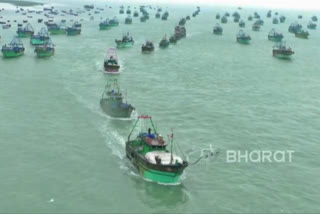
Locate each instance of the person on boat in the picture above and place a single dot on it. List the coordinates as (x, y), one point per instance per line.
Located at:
(149, 131)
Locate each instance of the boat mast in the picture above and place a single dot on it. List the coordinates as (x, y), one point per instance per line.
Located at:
(171, 146)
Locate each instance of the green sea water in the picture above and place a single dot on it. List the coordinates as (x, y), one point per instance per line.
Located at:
(61, 154)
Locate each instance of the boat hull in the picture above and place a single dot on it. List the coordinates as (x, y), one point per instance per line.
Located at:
(25, 34)
(114, 108)
(124, 44)
(73, 32)
(169, 174)
(112, 69)
(43, 54)
(243, 41)
(57, 32)
(12, 54)
(38, 41)
(105, 27)
(302, 36)
(282, 55)
(275, 39)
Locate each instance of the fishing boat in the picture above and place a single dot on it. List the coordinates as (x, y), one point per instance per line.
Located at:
(41, 38)
(136, 14)
(295, 27)
(269, 14)
(242, 24)
(218, 16)
(113, 102)
(5, 27)
(217, 30)
(281, 51)
(143, 19)
(312, 25)
(128, 20)
(243, 38)
(250, 18)
(182, 21)
(88, 7)
(114, 22)
(164, 43)
(188, 18)
(274, 36)
(314, 18)
(40, 20)
(236, 19)
(128, 11)
(164, 17)
(45, 50)
(180, 32)
(74, 30)
(27, 31)
(111, 65)
(256, 15)
(256, 26)
(104, 25)
(299, 16)
(173, 39)
(275, 20)
(56, 29)
(282, 19)
(302, 34)
(158, 15)
(224, 20)
(14, 49)
(260, 22)
(149, 154)
(125, 42)
(147, 47)
(121, 11)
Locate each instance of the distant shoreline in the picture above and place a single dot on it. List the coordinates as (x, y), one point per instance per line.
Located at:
(21, 3)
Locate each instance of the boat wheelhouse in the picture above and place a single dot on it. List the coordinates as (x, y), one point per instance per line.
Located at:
(282, 19)
(256, 26)
(111, 64)
(14, 49)
(149, 154)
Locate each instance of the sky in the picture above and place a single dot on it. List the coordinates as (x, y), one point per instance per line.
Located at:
(280, 4)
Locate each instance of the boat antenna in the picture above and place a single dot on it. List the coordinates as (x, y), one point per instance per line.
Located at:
(134, 126)
(171, 138)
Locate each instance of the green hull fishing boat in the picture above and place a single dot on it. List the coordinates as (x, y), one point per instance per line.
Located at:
(281, 51)
(105, 25)
(25, 32)
(55, 29)
(126, 42)
(114, 22)
(274, 36)
(164, 43)
(243, 38)
(41, 38)
(45, 50)
(74, 30)
(149, 154)
(14, 49)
